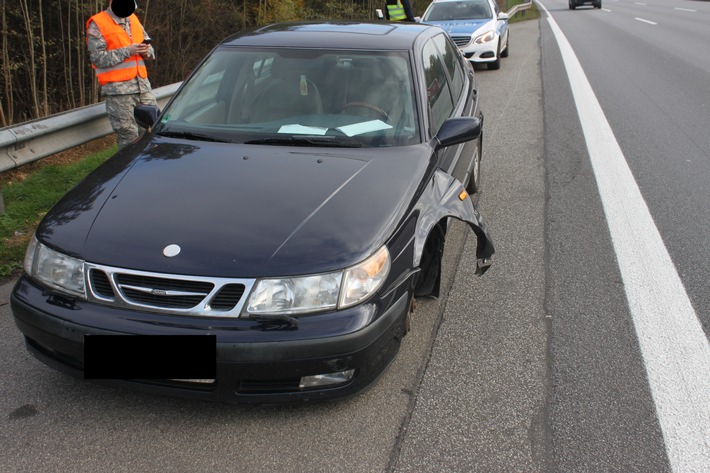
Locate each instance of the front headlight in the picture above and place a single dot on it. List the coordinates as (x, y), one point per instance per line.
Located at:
(485, 37)
(316, 293)
(295, 295)
(55, 269)
(362, 280)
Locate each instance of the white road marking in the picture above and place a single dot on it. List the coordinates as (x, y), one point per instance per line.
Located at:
(675, 350)
(685, 9)
(646, 21)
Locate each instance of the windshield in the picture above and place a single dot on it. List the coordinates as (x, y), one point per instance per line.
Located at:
(277, 96)
(465, 10)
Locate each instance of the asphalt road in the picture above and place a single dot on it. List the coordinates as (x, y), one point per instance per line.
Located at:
(615, 366)
(536, 366)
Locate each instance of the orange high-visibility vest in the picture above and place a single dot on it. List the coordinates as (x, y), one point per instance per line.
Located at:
(116, 37)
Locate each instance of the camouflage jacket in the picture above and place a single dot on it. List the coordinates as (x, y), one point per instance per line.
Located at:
(101, 57)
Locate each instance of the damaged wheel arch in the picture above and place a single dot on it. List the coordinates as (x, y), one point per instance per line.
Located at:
(444, 198)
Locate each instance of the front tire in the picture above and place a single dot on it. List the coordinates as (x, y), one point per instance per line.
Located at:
(506, 51)
(572, 5)
(495, 65)
(429, 279)
(474, 180)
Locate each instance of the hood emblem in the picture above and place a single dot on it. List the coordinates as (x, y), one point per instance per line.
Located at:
(171, 250)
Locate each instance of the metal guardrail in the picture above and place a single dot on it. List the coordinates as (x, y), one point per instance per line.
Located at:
(37, 139)
(517, 8)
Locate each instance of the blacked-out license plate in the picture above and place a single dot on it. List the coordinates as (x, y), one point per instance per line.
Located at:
(150, 356)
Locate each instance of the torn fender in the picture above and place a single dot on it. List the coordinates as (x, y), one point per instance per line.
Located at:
(442, 199)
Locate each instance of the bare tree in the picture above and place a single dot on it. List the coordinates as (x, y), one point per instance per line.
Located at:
(30, 63)
(6, 117)
(45, 101)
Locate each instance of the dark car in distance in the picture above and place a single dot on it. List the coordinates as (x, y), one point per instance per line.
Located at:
(573, 4)
(285, 209)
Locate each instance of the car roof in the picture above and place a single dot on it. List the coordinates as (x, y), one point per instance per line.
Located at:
(381, 35)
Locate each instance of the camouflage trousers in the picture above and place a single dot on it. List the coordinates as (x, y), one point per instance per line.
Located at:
(120, 115)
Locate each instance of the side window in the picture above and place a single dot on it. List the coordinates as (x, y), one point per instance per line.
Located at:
(452, 61)
(437, 87)
(208, 84)
(262, 67)
(200, 94)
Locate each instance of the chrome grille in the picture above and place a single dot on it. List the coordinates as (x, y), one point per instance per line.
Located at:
(167, 293)
(100, 284)
(461, 40)
(228, 297)
(162, 292)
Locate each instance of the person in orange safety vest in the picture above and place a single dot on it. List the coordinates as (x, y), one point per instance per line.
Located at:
(118, 48)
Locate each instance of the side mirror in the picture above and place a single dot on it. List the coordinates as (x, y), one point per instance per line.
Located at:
(379, 14)
(458, 130)
(146, 115)
(503, 16)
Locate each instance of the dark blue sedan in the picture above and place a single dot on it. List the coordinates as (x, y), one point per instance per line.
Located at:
(265, 239)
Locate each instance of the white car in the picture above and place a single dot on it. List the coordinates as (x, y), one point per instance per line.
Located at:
(478, 27)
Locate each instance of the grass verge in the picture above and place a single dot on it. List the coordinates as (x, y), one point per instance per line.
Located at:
(28, 195)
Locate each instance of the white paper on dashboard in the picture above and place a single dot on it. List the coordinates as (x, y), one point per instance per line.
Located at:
(364, 127)
(303, 130)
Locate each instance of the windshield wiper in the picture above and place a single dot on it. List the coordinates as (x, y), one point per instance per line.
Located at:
(191, 136)
(305, 141)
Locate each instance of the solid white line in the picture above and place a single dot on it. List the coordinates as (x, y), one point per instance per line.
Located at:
(674, 347)
(646, 21)
(685, 9)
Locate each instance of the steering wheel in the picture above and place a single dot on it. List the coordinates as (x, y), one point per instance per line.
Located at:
(368, 106)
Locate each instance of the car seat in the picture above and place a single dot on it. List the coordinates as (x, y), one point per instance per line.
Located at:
(374, 85)
(290, 93)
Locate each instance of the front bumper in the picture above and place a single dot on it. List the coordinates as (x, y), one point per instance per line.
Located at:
(255, 362)
(480, 53)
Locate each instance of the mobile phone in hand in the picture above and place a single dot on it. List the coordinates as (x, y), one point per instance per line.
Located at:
(147, 41)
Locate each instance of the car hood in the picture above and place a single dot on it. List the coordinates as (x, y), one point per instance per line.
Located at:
(463, 27)
(237, 210)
